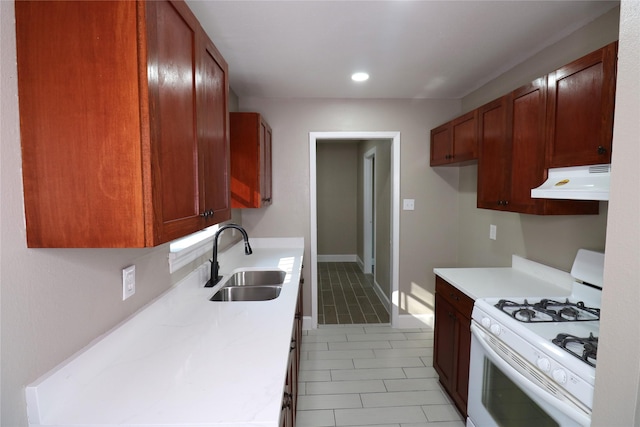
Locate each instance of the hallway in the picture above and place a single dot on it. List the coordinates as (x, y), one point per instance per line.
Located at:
(346, 296)
(371, 375)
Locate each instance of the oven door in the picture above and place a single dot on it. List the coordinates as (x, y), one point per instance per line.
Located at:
(511, 394)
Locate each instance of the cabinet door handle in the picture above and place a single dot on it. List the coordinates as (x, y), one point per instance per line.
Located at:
(286, 401)
(602, 150)
(207, 214)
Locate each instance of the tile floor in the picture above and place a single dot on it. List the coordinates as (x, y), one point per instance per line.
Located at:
(371, 375)
(346, 295)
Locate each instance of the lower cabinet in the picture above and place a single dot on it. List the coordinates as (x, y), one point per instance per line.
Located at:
(452, 341)
(290, 398)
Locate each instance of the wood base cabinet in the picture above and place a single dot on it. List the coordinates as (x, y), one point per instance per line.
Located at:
(124, 123)
(250, 161)
(452, 341)
(290, 398)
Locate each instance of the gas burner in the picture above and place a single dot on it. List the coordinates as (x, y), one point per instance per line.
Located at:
(582, 348)
(547, 310)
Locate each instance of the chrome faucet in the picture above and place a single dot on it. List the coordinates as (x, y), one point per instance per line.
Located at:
(215, 266)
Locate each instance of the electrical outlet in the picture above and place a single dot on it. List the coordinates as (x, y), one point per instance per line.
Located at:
(408, 204)
(128, 281)
(492, 231)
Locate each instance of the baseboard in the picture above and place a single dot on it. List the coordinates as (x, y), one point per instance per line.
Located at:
(338, 258)
(384, 299)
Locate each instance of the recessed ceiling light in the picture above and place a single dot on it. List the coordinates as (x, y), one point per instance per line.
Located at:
(359, 77)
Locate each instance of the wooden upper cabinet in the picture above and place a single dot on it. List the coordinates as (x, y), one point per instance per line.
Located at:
(580, 112)
(494, 155)
(455, 142)
(113, 130)
(511, 155)
(251, 181)
(215, 129)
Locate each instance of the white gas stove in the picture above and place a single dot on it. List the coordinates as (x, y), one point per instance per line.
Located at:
(548, 343)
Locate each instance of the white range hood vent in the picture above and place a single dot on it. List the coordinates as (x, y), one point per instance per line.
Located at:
(576, 183)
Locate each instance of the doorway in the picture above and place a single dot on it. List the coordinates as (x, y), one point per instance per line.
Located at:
(394, 138)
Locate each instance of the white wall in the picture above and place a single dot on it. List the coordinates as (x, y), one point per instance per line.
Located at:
(427, 235)
(617, 396)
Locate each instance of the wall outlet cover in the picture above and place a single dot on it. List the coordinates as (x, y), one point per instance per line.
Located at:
(128, 281)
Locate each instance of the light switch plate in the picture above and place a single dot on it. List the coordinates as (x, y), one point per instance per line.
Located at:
(492, 231)
(128, 281)
(408, 204)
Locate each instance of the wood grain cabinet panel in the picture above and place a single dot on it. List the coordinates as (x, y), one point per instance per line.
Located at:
(512, 152)
(455, 142)
(116, 141)
(580, 110)
(251, 181)
(452, 341)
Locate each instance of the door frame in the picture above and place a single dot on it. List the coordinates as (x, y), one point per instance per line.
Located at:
(369, 211)
(394, 136)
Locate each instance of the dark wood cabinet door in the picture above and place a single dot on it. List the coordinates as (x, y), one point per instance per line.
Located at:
(527, 118)
(214, 140)
(251, 163)
(444, 340)
(494, 155)
(465, 137)
(266, 179)
(581, 99)
(172, 33)
(462, 363)
(441, 142)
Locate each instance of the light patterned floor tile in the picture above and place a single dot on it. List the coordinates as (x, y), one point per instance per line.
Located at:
(412, 384)
(310, 365)
(391, 362)
(420, 372)
(336, 329)
(441, 413)
(413, 344)
(403, 398)
(314, 346)
(403, 352)
(320, 418)
(324, 338)
(311, 376)
(367, 416)
(367, 374)
(338, 387)
(395, 336)
(329, 401)
(340, 354)
(357, 345)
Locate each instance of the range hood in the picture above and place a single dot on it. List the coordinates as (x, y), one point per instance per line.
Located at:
(576, 183)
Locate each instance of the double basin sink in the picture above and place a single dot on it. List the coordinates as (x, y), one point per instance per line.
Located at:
(251, 285)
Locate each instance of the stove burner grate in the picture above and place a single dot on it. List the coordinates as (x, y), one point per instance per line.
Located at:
(582, 348)
(547, 310)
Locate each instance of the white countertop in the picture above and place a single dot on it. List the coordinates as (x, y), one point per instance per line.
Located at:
(184, 360)
(524, 278)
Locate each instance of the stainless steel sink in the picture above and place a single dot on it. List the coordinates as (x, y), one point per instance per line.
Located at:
(256, 278)
(247, 293)
(251, 285)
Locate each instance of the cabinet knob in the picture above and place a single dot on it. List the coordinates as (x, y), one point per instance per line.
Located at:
(287, 401)
(207, 214)
(602, 150)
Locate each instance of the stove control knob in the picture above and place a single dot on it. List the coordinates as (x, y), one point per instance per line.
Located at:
(486, 322)
(560, 375)
(544, 364)
(496, 329)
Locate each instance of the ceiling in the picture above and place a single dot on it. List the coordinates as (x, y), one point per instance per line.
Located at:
(411, 49)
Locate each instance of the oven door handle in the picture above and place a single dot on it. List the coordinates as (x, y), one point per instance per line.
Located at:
(523, 382)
